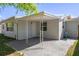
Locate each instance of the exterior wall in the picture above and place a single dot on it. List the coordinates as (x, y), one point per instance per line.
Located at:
(72, 28)
(3, 30)
(32, 29)
(8, 33)
(52, 30)
(20, 30)
(0, 28)
(23, 27)
(38, 28)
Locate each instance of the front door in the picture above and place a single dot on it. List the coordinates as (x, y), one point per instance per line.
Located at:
(32, 29)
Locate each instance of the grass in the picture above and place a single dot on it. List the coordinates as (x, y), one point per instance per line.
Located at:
(4, 49)
(74, 49)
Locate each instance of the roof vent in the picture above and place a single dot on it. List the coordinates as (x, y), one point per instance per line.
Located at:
(69, 17)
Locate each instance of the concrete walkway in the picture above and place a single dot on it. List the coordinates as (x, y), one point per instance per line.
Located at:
(47, 48)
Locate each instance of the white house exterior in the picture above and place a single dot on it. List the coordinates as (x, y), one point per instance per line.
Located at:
(72, 27)
(30, 26)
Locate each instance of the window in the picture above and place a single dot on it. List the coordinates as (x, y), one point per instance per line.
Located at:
(10, 26)
(44, 26)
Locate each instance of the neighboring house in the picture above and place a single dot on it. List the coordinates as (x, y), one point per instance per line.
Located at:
(72, 27)
(32, 26)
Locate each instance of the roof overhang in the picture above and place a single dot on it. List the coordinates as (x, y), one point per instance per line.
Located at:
(42, 16)
(39, 17)
(11, 19)
(73, 19)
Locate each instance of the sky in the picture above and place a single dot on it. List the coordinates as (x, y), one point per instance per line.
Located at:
(59, 9)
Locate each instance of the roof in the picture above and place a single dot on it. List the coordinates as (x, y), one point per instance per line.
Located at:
(9, 19)
(35, 17)
(39, 16)
(73, 19)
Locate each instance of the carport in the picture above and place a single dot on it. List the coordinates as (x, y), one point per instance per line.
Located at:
(41, 18)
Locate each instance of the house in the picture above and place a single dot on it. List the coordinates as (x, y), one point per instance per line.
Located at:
(41, 25)
(72, 27)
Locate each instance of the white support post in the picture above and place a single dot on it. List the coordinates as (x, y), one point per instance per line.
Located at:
(27, 34)
(17, 31)
(41, 33)
(16, 36)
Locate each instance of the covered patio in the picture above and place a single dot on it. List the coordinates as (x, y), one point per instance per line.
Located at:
(33, 26)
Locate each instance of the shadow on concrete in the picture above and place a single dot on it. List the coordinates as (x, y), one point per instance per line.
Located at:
(21, 44)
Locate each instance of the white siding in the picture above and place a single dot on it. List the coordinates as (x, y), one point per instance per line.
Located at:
(21, 30)
(52, 30)
(8, 33)
(72, 28)
(32, 32)
(0, 29)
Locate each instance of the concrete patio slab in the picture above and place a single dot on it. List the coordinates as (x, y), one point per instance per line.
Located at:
(47, 48)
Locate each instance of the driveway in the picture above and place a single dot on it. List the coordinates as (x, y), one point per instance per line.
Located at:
(47, 48)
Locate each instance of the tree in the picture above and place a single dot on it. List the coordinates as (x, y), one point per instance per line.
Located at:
(28, 8)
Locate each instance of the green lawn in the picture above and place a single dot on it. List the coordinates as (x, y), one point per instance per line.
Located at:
(4, 49)
(74, 49)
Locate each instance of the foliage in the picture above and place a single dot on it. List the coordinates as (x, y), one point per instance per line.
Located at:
(28, 8)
